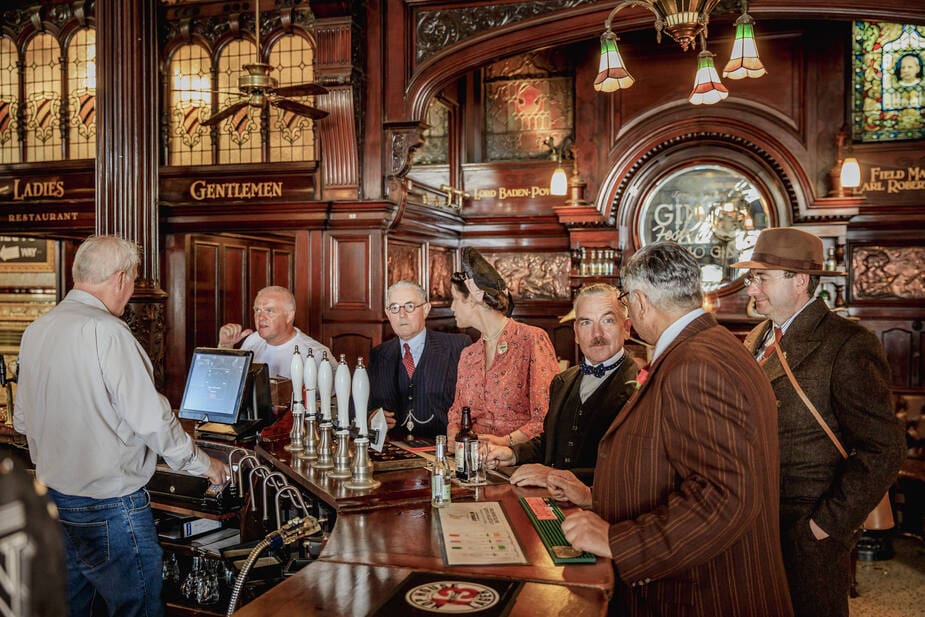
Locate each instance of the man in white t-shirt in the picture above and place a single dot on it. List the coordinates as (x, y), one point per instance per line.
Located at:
(276, 336)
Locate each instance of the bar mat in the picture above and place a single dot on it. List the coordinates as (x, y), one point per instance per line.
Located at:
(424, 594)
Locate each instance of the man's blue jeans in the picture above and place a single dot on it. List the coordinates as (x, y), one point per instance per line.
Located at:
(112, 551)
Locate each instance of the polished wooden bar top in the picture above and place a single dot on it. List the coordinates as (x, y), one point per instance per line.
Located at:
(328, 589)
(370, 552)
(410, 537)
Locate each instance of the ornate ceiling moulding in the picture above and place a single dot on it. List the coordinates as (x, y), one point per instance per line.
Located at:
(215, 20)
(437, 29)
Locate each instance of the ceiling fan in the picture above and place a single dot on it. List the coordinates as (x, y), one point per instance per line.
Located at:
(258, 88)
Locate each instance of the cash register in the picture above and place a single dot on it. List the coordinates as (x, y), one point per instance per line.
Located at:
(228, 393)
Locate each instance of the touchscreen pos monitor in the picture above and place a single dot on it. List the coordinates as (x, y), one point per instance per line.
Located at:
(228, 391)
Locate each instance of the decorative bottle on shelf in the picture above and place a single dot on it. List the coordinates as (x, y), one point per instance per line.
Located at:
(440, 480)
(831, 263)
(463, 438)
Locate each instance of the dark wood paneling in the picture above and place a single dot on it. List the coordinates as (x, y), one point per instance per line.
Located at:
(353, 340)
(258, 268)
(234, 297)
(206, 275)
(349, 272)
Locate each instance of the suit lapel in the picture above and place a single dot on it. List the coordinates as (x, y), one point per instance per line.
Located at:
(799, 341)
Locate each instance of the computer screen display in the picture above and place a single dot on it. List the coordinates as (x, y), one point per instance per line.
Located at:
(216, 385)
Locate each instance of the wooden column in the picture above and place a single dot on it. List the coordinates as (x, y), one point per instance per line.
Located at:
(127, 154)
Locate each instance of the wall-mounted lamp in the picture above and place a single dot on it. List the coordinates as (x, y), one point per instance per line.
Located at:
(558, 184)
(846, 174)
(684, 21)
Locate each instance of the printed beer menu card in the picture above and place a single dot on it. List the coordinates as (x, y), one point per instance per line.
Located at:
(478, 533)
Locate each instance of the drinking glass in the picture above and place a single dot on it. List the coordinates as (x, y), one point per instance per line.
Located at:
(478, 455)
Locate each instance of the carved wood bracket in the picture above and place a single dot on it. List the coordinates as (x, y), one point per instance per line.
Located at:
(403, 139)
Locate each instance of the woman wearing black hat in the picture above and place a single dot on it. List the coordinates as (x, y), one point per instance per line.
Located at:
(504, 377)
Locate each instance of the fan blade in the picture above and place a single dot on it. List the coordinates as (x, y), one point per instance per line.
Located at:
(228, 111)
(301, 90)
(299, 108)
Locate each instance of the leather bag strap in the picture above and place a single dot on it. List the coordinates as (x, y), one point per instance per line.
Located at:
(809, 404)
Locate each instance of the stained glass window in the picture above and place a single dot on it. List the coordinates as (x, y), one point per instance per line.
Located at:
(9, 101)
(436, 148)
(528, 99)
(190, 103)
(81, 94)
(888, 84)
(42, 77)
(291, 135)
(239, 134)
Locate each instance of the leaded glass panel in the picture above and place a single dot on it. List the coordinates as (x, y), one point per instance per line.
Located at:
(190, 142)
(239, 134)
(291, 135)
(436, 148)
(42, 77)
(81, 94)
(9, 101)
(889, 85)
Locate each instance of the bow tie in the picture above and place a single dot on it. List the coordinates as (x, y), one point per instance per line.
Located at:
(598, 371)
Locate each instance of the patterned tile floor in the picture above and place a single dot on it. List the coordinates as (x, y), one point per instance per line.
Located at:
(894, 588)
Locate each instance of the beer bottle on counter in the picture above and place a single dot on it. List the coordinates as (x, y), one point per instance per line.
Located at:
(440, 480)
(463, 438)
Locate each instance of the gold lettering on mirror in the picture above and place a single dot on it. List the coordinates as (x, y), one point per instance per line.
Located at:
(200, 190)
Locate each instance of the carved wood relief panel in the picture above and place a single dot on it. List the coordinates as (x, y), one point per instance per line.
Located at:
(442, 265)
(883, 272)
(404, 263)
(534, 276)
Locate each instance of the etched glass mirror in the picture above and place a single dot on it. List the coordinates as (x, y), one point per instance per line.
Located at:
(713, 211)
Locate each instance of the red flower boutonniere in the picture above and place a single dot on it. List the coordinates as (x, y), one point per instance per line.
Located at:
(641, 377)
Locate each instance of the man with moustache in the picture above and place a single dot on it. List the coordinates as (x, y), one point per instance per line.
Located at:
(276, 337)
(584, 399)
(413, 377)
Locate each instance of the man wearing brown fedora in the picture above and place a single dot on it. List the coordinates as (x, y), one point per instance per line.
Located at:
(829, 483)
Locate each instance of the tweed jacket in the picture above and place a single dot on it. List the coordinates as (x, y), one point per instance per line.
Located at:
(602, 406)
(434, 380)
(842, 368)
(687, 475)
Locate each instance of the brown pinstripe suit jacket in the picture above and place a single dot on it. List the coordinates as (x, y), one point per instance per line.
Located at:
(687, 475)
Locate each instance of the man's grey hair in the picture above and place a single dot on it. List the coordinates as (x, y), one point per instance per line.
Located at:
(667, 273)
(99, 257)
(417, 289)
(600, 289)
(288, 298)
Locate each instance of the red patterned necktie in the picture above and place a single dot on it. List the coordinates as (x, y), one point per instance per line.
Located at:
(408, 361)
(770, 349)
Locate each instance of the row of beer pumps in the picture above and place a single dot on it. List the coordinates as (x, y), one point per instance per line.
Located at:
(321, 442)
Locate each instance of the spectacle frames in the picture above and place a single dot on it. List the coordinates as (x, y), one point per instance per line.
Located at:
(761, 279)
(622, 298)
(409, 307)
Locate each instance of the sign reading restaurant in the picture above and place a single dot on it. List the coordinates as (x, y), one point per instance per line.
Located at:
(201, 190)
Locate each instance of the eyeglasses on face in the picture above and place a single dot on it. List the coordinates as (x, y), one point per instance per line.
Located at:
(622, 298)
(761, 279)
(409, 307)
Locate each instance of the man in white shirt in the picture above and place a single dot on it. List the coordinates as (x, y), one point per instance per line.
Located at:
(95, 426)
(276, 335)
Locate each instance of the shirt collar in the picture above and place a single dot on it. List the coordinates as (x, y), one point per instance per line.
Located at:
(672, 332)
(416, 343)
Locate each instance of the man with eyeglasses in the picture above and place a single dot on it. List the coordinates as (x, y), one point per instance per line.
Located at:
(412, 377)
(584, 399)
(276, 335)
(842, 369)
